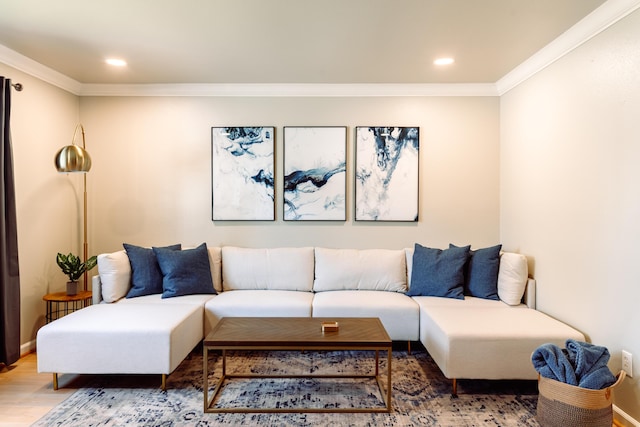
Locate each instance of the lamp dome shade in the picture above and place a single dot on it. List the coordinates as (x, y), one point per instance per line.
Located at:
(73, 158)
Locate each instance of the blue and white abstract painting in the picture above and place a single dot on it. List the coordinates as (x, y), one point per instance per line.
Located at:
(315, 173)
(242, 173)
(387, 160)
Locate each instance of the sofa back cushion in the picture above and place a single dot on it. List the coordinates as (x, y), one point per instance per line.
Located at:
(288, 269)
(360, 269)
(512, 277)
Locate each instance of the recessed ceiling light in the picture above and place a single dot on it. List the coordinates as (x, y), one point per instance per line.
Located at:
(116, 62)
(444, 61)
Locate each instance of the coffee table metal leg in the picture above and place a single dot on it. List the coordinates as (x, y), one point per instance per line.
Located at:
(205, 368)
(377, 372)
(385, 392)
(205, 375)
(389, 380)
(224, 362)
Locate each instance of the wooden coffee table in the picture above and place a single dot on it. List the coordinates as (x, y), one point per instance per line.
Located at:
(295, 334)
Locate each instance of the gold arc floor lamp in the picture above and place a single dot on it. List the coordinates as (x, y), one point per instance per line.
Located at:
(72, 158)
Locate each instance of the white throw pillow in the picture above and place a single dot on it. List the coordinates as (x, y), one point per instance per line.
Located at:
(360, 269)
(287, 269)
(115, 275)
(512, 277)
(408, 252)
(215, 261)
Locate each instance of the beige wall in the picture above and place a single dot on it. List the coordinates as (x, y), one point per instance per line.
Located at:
(570, 159)
(151, 180)
(42, 121)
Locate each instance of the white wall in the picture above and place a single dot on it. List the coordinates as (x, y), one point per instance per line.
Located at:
(42, 121)
(570, 156)
(151, 177)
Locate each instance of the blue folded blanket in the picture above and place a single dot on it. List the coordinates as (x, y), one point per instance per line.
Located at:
(580, 364)
(552, 362)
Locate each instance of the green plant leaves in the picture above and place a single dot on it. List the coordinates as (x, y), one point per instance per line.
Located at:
(72, 267)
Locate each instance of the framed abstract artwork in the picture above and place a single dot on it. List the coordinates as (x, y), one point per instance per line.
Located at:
(386, 175)
(315, 173)
(242, 164)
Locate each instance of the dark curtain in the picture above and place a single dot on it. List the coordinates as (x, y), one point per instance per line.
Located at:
(9, 272)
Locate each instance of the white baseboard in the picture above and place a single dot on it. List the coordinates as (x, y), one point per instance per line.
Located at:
(623, 418)
(27, 347)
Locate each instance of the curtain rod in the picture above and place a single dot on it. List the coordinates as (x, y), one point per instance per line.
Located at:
(17, 86)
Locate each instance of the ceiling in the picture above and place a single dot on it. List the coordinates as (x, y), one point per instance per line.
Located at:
(285, 41)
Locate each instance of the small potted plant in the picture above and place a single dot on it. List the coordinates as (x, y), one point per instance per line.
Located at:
(74, 269)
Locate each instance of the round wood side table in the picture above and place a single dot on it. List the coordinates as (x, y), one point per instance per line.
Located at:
(60, 304)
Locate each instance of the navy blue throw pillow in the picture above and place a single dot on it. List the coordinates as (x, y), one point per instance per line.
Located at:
(146, 276)
(481, 275)
(186, 272)
(438, 272)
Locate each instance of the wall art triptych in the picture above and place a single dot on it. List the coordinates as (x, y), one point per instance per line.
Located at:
(315, 173)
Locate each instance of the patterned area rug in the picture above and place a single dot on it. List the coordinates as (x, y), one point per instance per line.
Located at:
(420, 394)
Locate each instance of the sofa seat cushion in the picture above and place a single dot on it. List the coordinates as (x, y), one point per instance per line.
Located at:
(257, 303)
(120, 339)
(489, 343)
(398, 313)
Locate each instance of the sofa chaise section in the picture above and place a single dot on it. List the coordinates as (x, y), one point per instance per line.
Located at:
(120, 339)
(489, 343)
(478, 338)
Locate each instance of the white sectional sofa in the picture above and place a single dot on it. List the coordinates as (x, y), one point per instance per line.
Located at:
(468, 337)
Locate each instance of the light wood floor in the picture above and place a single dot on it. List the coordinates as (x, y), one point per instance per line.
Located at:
(26, 395)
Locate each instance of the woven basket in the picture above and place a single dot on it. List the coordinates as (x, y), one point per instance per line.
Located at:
(564, 405)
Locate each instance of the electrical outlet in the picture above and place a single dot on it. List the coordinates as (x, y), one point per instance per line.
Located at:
(627, 364)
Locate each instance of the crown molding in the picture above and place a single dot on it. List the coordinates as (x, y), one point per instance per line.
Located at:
(593, 24)
(289, 90)
(600, 19)
(36, 69)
